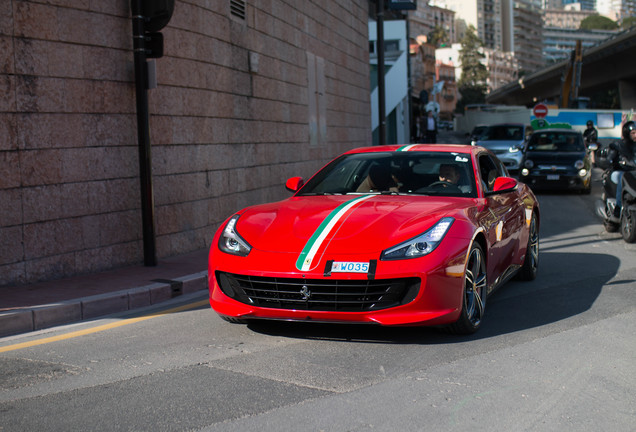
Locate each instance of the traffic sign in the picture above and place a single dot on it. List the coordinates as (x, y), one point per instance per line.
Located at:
(540, 110)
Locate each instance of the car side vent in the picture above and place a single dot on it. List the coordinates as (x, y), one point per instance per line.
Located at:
(237, 8)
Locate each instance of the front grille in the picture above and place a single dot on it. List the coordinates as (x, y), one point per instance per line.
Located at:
(319, 294)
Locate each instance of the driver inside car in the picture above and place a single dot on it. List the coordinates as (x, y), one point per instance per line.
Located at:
(451, 174)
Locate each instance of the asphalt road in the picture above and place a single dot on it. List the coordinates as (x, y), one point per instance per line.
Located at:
(555, 354)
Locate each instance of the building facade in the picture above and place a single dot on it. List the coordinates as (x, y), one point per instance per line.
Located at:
(558, 43)
(567, 19)
(246, 97)
(584, 4)
(503, 67)
(426, 17)
(487, 16)
(616, 10)
(528, 35)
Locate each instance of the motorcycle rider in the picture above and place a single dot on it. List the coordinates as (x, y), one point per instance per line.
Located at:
(590, 135)
(623, 156)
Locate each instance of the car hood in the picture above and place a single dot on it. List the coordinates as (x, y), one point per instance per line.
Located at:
(371, 224)
(499, 144)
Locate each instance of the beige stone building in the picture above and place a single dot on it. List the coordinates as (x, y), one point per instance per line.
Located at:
(246, 97)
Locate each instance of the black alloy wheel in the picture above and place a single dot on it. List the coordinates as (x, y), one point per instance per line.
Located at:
(530, 266)
(475, 292)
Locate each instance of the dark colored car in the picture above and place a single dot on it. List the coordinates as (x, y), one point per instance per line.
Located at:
(477, 133)
(556, 159)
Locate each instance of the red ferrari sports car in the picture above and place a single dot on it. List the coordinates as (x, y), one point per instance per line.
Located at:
(393, 235)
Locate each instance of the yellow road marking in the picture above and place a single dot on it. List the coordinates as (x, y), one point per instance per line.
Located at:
(101, 327)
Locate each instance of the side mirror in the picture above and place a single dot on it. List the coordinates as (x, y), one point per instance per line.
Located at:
(294, 183)
(504, 184)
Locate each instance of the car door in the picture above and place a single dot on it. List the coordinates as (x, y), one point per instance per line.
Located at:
(502, 218)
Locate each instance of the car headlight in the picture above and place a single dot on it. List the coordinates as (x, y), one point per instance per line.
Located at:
(582, 172)
(420, 245)
(579, 164)
(513, 149)
(231, 242)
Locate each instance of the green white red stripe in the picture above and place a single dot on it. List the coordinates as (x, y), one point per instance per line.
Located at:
(306, 258)
(406, 147)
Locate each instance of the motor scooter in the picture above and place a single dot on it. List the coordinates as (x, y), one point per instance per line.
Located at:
(625, 218)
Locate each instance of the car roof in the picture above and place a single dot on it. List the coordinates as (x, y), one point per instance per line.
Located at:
(446, 148)
(553, 130)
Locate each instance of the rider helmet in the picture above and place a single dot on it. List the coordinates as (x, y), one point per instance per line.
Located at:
(627, 128)
(590, 123)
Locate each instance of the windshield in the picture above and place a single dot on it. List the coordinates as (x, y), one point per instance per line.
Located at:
(421, 173)
(479, 131)
(556, 142)
(504, 133)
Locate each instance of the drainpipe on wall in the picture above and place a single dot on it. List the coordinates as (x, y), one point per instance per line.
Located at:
(381, 90)
(143, 135)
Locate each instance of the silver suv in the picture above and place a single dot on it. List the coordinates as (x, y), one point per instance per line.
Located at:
(506, 140)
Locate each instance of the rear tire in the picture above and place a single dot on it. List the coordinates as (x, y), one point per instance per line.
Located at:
(530, 266)
(474, 294)
(628, 226)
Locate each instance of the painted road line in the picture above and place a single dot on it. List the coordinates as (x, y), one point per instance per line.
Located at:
(101, 328)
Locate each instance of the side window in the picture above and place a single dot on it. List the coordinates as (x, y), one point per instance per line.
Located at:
(489, 170)
(501, 169)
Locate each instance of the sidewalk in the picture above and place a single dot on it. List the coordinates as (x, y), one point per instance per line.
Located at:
(46, 304)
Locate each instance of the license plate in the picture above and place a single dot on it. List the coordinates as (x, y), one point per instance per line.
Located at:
(350, 267)
(553, 176)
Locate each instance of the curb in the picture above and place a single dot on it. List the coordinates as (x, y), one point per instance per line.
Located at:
(85, 308)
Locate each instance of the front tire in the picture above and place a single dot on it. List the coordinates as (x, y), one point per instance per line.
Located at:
(233, 320)
(474, 294)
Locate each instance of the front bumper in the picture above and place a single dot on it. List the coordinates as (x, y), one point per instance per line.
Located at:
(431, 295)
(558, 181)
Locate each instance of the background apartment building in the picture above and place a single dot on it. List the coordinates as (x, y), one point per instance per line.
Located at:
(565, 18)
(616, 10)
(246, 97)
(528, 35)
(487, 16)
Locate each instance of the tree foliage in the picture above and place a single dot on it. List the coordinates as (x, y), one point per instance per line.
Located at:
(628, 22)
(438, 36)
(472, 84)
(598, 22)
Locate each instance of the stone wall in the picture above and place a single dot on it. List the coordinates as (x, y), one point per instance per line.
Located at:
(240, 106)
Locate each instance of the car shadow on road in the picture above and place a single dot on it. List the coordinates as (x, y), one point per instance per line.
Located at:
(557, 294)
